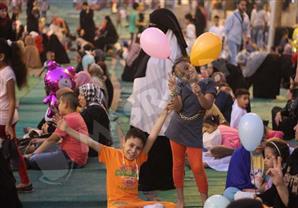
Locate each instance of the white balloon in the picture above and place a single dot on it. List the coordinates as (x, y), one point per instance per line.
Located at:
(216, 201)
(251, 131)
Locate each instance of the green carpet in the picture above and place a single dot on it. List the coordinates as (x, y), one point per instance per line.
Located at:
(86, 187)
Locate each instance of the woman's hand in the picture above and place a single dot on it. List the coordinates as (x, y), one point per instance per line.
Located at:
(278, 118)
(9, 132)
(196, 89)
(172, 83)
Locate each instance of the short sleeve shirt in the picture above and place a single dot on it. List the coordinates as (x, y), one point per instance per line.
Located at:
(75, 150)
(189, 132)
(122, 174)
(6, 74)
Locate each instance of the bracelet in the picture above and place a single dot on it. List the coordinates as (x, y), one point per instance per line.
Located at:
(173, 94)
(199, 94)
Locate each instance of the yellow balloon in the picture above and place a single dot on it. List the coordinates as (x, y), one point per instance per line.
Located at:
(295, 34)
(294, 45)
(205, 49)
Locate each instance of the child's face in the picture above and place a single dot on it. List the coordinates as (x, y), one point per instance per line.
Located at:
(132, 148)
(3, 13)
(216, 21)
(186, 72)
(243, 101)
(204, 72)
(62, 107)
(268, 157)
(82, 100)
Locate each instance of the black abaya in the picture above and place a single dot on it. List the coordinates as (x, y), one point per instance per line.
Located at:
(88, 25)
(266, 80)
(55, 46)
(8, 193)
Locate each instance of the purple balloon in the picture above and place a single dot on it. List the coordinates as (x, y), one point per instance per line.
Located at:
(56, 78)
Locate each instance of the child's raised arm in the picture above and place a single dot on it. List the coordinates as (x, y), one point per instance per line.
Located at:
(155, 130)
(61, 124)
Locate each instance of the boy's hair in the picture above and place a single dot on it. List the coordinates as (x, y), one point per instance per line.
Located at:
(212, 120)
(71, 99)
(240, 92)
(136, 133)
(239, 1)
(216, 17)
(280, 148)
(85, 3)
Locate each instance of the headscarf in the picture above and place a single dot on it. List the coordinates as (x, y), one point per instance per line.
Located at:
(165, 20)
(3, 21)
(81, 78)
(87, 60)
(110, 27)
(99, 55)
(92, 93)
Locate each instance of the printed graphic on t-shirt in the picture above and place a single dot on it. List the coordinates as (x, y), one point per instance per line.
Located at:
(128, 177)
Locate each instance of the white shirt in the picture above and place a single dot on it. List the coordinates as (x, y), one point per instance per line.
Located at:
(236, 115)
(259, 18)
(218, 30)
(190, 35)
(212, 139)
(6, 74)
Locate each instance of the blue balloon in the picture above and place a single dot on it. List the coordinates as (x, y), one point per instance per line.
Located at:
(251, 131)
(216, 201)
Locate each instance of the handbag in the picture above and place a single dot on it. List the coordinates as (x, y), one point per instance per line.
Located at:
(9, 149)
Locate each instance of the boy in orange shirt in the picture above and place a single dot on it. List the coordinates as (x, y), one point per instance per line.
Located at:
(123, 164)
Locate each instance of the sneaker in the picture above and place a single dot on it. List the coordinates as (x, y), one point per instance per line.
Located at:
(24, 188)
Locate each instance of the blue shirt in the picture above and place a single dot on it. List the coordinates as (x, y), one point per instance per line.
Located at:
(236, 27)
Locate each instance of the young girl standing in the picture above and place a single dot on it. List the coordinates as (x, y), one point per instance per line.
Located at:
(190, 99)
(12, 71)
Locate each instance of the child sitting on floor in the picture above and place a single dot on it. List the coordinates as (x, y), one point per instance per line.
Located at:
(70, 152)
(219, 140)
(239, 107)
(123, 165)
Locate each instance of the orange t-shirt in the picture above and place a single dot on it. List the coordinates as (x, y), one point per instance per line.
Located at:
(122, 174)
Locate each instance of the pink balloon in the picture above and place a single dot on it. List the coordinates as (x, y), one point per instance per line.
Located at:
(155, 43)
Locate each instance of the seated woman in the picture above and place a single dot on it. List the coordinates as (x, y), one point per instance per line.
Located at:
(224, 100)
(284, 191)
(250, 178)
(284, 119)
(95, 115)
(107, 34)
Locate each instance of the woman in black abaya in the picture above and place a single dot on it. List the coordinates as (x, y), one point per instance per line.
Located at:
(150, 95)
(56, 46)
(87, 23)
(108, 34)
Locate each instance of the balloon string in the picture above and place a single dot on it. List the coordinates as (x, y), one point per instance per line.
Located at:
(171, 60)
(253, 171)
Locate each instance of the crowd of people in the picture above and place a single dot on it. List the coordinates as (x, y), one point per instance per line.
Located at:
(179, 112)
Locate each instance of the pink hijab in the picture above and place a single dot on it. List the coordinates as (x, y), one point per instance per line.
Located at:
(81, 78)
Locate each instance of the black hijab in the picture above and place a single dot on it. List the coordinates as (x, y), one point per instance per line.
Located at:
(164, 20)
